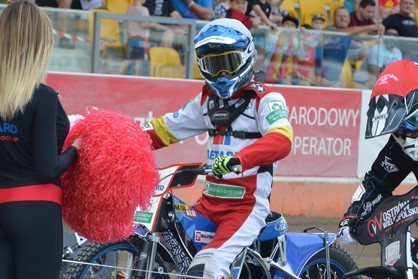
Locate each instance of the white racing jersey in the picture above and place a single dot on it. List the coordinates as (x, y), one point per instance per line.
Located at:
(266, 113)
(238, 203)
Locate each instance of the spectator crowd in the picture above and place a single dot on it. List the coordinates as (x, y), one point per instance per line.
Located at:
(336, 43)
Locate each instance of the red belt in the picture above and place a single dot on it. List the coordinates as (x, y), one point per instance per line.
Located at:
(41, 192)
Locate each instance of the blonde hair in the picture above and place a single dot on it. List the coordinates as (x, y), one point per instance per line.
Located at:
(26, 44)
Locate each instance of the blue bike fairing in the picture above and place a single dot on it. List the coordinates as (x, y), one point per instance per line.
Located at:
(273, 230)
(140, 231)
(193, 223)
(300, 248)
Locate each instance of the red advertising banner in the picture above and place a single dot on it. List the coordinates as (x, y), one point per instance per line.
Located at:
(326, 126)
(326, 122)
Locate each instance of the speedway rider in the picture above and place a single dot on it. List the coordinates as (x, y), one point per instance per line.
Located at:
(248, 131)
(393, 108)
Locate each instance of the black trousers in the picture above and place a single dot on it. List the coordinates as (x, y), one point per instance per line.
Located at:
(31, 240)
(390, 168)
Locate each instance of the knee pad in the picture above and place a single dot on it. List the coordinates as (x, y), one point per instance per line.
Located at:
(196, 270)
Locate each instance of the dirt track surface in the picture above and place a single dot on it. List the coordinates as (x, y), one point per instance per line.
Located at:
(362, 255)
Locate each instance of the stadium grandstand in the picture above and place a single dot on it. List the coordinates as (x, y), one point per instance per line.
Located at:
(96, 40)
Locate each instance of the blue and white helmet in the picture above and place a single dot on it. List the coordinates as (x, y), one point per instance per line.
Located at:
(226, 55)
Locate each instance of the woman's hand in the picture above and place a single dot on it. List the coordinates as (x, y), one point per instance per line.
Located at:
(77, 143)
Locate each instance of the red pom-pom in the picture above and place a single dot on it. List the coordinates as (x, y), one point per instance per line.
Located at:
(114, 173)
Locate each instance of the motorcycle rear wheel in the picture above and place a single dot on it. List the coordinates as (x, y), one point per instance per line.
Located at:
(340, 263)
(114, 261)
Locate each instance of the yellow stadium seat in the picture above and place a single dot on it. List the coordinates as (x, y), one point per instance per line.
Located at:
(196, 70)
(165, 62)
(415, 13)
(109, 33)
(346, 76)
(118, 6)
(307, 9)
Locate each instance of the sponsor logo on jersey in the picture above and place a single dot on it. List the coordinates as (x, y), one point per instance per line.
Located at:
(276, 115)
(8, 132)
(147, 127)
(277, 111)
(203, 237)
(389, 167)
(190, 213)
(224, 191)
(368, 206)
(276, 105)
(212, 154)
(181, 207)
(257, 86)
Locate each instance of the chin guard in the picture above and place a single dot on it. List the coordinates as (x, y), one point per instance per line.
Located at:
(221, 114)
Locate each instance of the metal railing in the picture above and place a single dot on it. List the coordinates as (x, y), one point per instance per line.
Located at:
(96, 41)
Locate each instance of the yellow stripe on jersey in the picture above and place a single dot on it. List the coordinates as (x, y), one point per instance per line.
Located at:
(284, 130)
(160, 128)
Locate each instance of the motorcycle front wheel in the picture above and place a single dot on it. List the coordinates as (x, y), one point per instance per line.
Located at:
(116, 261)
(340, 263)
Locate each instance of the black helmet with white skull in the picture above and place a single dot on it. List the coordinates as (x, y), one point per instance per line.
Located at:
(393, 107)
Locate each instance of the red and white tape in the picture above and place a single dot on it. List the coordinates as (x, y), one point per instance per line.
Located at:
(70, 36)
(76, 38)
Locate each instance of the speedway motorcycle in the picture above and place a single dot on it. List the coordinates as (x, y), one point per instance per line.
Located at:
(171, 232)
(73, 242)
(389, 224)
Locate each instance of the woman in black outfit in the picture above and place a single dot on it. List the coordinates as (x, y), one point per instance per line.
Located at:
(33, 127)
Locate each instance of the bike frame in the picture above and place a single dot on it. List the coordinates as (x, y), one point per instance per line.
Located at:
(69, 250)
(193, 231)
(389, 224)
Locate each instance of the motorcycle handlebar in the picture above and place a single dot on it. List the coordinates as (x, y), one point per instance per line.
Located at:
(206, 169)
(236, 169)
(203, 170)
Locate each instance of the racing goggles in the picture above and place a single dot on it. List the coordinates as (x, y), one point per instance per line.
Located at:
(408, 126)
(229, 62)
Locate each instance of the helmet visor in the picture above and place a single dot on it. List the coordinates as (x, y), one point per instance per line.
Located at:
(228, 62)
(408, 127)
